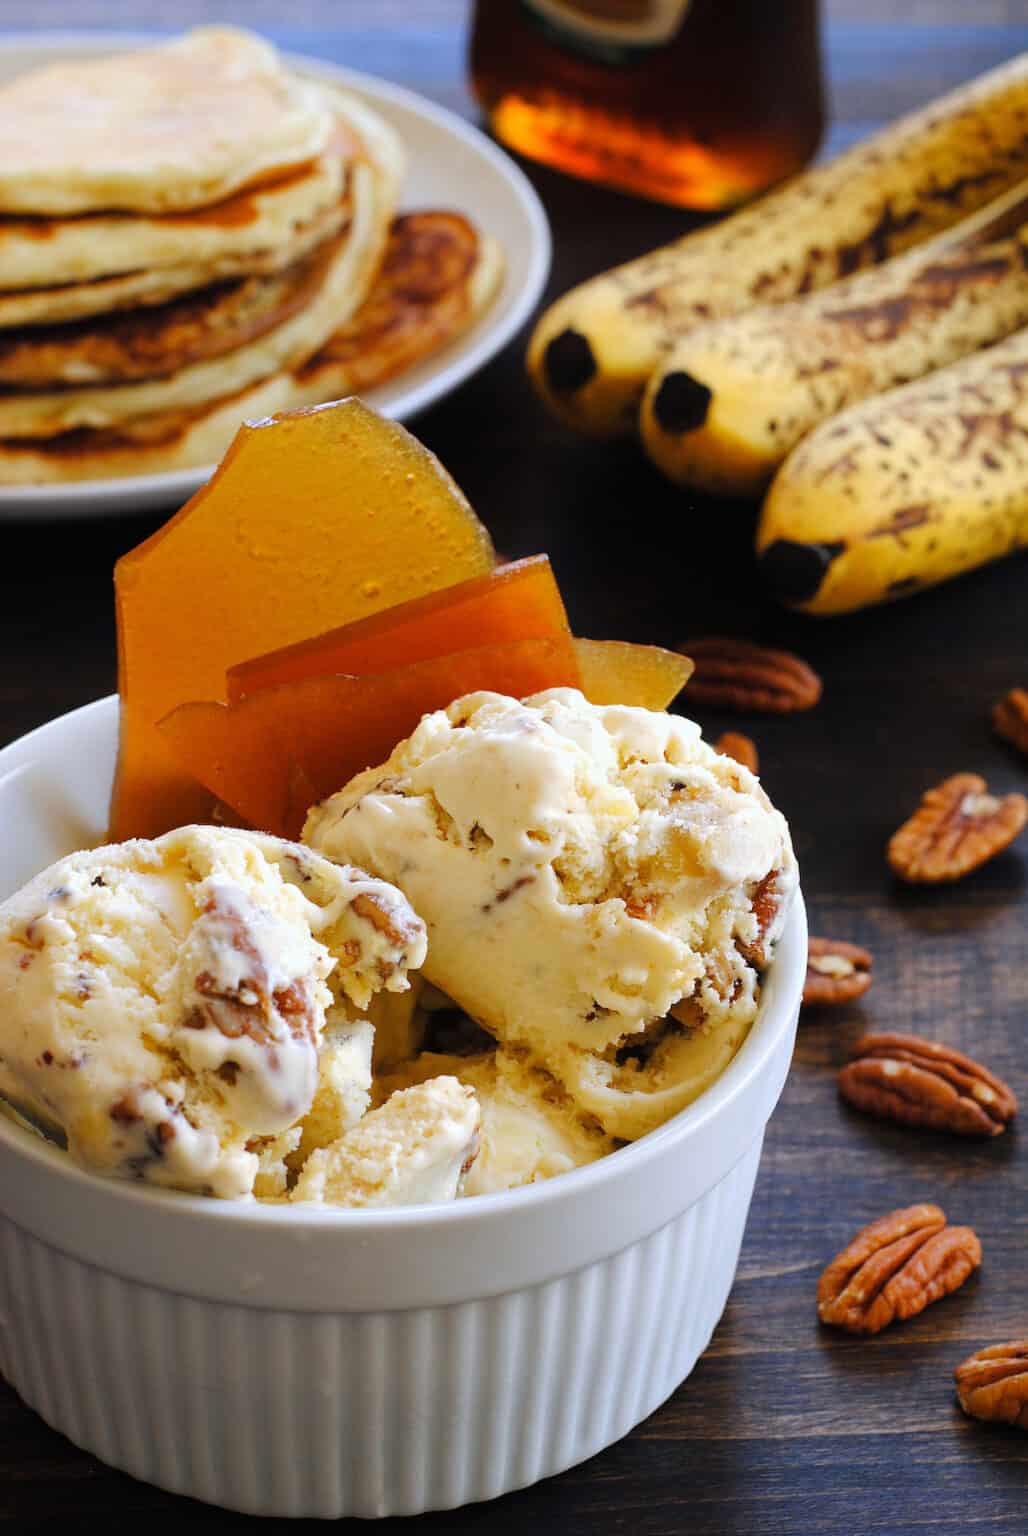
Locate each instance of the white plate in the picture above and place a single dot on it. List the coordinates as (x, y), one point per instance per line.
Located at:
(450, 165)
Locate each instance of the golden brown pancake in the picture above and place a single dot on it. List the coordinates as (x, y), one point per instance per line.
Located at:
(144, 285)
(152, 342)
(158, 129)
(355, 259)
(437, 276)
(267, 215)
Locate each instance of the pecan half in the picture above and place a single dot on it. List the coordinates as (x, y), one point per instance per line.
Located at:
(1010, 718)
(836, 971)
(394, 922)
(739, 674)
(735, 744)
(894, 1268)
(956, 828)
(920, 1082)
(993, 1383)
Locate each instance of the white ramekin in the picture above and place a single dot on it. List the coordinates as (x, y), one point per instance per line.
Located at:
(300, 1362)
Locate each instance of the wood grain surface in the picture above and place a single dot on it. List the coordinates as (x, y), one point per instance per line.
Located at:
(784, 1429)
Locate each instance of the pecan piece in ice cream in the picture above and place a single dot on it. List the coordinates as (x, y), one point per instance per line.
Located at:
(894, 1268)
(234, 991)
(957, 827)
(837, 971)
(993, 1383)
(741, 675)
(924, 1083)
(741, 748)
(766, 905)
(1010, 718)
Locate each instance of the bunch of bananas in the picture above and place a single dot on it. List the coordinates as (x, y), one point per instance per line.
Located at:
(855, 343)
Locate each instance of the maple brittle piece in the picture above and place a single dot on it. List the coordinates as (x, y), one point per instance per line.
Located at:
(924, 1083)
(741, 675)
(620, 672)
(313, 519)
(521, 601)
(837, 971)
(992, 1383)
(894, 1268)
(735, 744)
(957, 827)
(1010, 718)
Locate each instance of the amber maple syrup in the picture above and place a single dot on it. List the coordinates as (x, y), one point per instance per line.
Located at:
(695, 102)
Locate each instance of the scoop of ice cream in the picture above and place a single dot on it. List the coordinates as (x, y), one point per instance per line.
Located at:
(530, 1128)
(414, 1150)
(582, 869)
(162, 1004)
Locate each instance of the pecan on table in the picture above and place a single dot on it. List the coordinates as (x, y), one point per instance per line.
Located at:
(894, 1268)
(1010, 718)
(739, 674)
(735, 744)
(837, 971)
(956, 828)
(923, 1083)
(993, 1383)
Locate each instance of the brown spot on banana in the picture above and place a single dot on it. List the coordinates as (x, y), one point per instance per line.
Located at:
(839, 495)
(901, 521)
(879, 242)
(934, 288)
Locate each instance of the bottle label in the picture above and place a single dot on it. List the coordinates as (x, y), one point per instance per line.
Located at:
(612, 30)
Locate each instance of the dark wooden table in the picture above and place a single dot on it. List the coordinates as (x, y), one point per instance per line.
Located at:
(783, 1428)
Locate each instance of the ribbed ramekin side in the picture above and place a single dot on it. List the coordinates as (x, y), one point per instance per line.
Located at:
(293, 1414)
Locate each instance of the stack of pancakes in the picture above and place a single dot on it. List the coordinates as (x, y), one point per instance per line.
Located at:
(187, 237)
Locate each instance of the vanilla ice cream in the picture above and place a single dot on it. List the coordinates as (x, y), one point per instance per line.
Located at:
(633, 1088)
(583, 871)
(530, 1128)
(163, 1004)
(414, 1150)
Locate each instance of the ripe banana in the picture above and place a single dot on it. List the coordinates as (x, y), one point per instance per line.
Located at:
(904, 490)
(594, 350)
(769, 375)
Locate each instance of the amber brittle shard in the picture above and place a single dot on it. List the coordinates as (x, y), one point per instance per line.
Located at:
(313, 519)
(617, 672)
(518, 601)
